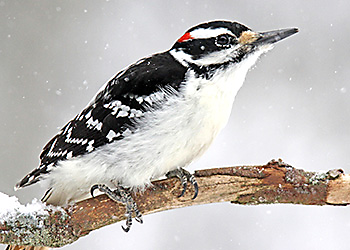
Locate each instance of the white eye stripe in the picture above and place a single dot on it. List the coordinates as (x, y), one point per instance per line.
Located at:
(208, 33)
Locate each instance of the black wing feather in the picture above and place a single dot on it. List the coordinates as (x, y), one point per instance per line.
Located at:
(91, 128)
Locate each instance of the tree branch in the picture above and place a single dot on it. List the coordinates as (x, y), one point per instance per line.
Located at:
(275, 182)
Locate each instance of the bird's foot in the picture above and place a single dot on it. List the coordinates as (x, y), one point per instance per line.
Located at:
(123, 195)
(184, 177)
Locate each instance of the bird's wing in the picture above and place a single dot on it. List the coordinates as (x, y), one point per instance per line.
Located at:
(112, 112)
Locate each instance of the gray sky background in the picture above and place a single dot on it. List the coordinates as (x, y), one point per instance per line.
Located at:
(295, 105)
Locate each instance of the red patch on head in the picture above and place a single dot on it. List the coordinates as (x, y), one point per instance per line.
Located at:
(185, 37)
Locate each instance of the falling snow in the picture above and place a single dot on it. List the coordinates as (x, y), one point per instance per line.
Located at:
(58, 92)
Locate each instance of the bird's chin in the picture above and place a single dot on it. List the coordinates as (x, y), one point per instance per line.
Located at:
(252, 51)
(261, 49)
(265, 48)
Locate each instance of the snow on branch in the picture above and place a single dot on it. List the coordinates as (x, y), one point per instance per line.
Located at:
(275, 182)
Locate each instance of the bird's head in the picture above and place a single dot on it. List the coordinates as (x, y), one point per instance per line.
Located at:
(223, 42)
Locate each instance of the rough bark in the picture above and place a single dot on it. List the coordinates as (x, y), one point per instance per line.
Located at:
(275, 182)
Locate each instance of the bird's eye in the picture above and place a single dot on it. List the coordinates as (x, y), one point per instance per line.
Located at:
(223, 40)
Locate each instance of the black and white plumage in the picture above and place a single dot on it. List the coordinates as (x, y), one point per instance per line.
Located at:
(154, 117)
(113, 113)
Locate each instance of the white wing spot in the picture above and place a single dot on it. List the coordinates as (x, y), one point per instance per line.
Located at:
(88, 115)
(94, 124)
(111, 135)
(139, 99)
(99, 126)
(135, 113)
(122, 113)
(70, 155)
(148, 99)
(90, 148)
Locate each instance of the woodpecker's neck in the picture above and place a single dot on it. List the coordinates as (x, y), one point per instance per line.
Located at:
(214, 91)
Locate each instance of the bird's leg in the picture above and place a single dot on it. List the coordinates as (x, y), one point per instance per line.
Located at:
(184, 177)
(123, 195)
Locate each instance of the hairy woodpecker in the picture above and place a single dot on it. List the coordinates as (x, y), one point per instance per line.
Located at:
(153, 118)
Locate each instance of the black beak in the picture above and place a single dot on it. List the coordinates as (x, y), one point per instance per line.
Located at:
(274, 36)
